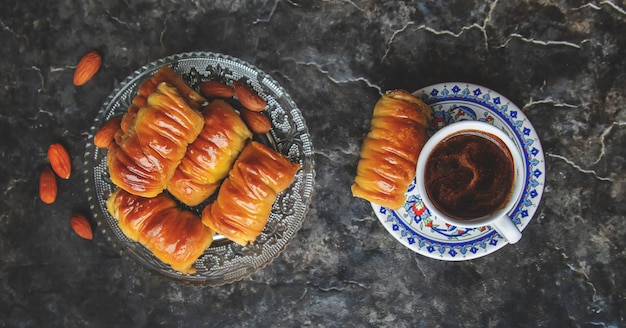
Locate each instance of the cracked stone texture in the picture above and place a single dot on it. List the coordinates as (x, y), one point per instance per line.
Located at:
(561, 61)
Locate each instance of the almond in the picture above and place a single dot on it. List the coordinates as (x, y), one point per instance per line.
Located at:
(107, 131)
(248, 98)
(256, 121)
(47, 186)
(60, 160)
(87, 67)
(81, 226)
(215, 89)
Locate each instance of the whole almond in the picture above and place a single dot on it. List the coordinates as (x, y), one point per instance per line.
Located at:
(87, 67)
(107, 131)
(47, 186)
(81, 226)
(248, 98)
(216, 89)
(256, 121)
(60, 160)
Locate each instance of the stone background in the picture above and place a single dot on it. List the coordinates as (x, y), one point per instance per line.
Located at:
(562, 62)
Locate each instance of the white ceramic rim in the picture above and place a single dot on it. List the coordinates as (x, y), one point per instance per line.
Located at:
(444, 133)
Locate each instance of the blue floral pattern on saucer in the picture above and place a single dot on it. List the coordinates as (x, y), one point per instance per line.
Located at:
(415, 227)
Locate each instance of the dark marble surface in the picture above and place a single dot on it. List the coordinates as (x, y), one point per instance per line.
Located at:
(561, 61)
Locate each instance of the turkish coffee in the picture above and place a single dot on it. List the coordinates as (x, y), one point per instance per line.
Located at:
(469, 175)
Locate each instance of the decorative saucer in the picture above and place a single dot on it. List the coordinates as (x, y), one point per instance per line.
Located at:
(416, 228)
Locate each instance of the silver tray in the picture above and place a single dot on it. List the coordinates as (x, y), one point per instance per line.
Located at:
(223, 261)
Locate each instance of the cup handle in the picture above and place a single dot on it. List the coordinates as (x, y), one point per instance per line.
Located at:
(507, 229)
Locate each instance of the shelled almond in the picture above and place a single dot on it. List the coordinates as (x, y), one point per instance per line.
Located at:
(104, 135)
(47, 186)
(81, 226)
(248, 98)
(87, 67)
(216, 89)
(256, 121)
(60, 160)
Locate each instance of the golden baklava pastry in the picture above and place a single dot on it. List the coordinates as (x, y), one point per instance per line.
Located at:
(175, 236)
(149, 86)
(209, 158)
(390, 150)
(144, 158)
(244, 201)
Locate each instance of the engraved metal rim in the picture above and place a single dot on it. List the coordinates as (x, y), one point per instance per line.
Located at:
(517, 124)
(226, 262)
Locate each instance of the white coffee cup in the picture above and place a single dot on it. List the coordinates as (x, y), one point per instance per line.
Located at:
(499, 219)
